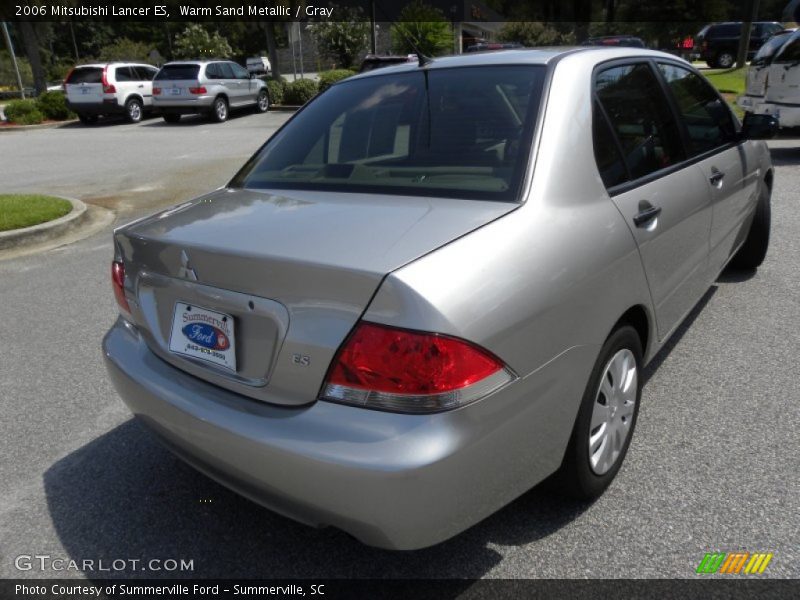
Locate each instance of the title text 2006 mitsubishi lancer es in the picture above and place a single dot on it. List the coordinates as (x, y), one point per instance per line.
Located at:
(437, 285)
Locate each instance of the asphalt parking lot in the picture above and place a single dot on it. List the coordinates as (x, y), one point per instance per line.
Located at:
(713, 465)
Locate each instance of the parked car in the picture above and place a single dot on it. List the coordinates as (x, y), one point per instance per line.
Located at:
(615, 40)
(437, 285)
(258, 65)
(719, 42)
(757, 72)
(782, 85)
(106, 89)
(207, 87)
(375, 61)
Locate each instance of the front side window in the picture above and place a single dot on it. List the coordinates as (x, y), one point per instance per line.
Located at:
(125, 74)
(707, 118)
(239, 72)
(462, 132)
(640, 118)
(790, 53)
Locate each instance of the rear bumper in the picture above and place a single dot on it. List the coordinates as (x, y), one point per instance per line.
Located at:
(192, 106)
(394, 481)
(108, 106)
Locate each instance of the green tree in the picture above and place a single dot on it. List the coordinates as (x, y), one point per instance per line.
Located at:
(125, 49)
(422, 26)
(343, 40)
(8, 77)
(196, 42)
(535, 33)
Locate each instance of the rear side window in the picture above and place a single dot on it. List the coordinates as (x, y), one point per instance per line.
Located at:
(707, 118)
(225, 69)
(640, 117)
(178, 72)
(86, 75)
(606, 151)
(458, 133)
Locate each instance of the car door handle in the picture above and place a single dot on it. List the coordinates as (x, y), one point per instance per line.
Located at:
(716, 176)
(645, 215)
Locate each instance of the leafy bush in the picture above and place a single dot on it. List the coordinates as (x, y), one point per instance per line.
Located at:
(328, 78)
(300, 91)
(23, 112)
(53, 105)
(196, 42)
(125, 49)
(536, 33)
(275, 89)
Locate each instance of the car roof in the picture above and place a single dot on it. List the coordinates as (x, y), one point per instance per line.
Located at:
(113, 63)
(205, 61)
(518, 56)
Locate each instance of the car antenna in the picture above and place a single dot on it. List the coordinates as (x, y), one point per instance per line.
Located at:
(421, 58)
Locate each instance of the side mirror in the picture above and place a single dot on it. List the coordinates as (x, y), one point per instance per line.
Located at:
(759, 127)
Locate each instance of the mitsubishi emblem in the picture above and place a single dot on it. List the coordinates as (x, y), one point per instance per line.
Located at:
(186, 271)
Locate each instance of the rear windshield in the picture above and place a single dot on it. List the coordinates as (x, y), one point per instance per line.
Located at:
(86, 75)
(178, 72)
(460, 133)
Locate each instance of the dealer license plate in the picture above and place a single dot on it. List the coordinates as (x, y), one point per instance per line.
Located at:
(203, 334)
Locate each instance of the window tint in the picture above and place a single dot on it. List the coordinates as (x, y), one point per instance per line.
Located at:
(791, 53)
(146, 73)
(459, 133)
(126, 74)
(606, 152)
(640, 118)
(239, 72)
(178, 72)
(86, 75)
(225, 70)
(706, 116)
(729, 30)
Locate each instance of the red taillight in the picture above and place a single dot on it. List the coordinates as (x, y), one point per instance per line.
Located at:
(197, 90)
(156, 91)
(118, 281)
(108, 88)
(410, 371)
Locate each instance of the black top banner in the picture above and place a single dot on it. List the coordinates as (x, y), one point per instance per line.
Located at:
(553, 11)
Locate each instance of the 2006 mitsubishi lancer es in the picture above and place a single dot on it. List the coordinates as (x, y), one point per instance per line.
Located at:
(438, 284)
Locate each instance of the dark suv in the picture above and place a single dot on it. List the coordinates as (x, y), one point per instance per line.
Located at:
(719, 43)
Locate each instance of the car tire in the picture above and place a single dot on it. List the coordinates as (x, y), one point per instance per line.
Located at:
(262, 101)
(219, 110)
(756, 244)
(87, 119)
(171, 118)
(606, 419)
(725, 60)
(134, 112)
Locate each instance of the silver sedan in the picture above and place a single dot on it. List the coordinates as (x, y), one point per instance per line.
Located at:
(438, 284)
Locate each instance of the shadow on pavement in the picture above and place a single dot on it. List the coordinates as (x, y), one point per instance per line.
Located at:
(125, 496)
(785, 157)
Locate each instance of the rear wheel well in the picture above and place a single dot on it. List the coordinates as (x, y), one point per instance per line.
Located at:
(636, 317)
(768, 180)
(134, 97)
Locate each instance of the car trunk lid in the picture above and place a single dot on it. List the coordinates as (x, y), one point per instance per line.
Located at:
(294, 270)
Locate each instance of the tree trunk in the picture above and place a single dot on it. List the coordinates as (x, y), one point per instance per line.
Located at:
(31, 43)
(751, 10)
(272, 50)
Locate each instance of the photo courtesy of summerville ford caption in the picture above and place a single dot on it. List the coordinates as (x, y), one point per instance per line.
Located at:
(438, 284)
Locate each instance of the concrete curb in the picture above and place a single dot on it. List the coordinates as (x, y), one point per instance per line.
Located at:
(45, 231)
(42, 126)
(284, 108)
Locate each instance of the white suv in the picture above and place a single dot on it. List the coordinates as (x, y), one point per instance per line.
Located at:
(117, 88)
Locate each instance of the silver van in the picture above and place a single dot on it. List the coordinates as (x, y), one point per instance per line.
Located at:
(211, 88)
